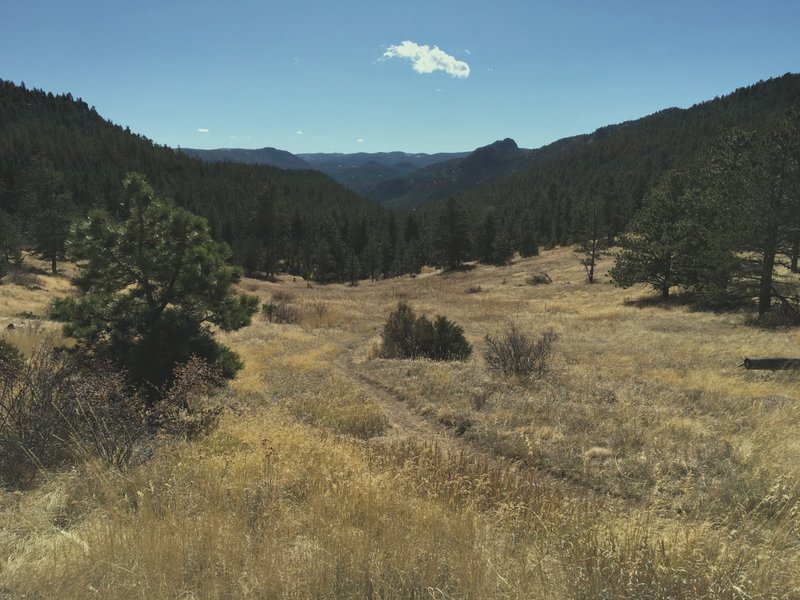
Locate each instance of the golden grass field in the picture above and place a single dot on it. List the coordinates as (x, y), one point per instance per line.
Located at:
(646, 464)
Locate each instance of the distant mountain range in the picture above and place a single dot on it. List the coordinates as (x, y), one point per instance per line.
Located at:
(623, 159)
(401, 180)
(360, 171)
(627, 157)
(262, 156)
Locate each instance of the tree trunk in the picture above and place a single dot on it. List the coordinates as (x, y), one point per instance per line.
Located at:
(795, 252)
(767, 267)
(54, 264)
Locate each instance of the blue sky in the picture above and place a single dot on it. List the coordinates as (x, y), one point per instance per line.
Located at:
(337, 77)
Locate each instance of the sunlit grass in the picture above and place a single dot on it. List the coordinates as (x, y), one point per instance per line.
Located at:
(647, 463)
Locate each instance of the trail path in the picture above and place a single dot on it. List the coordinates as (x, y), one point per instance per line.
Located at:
(404, 422)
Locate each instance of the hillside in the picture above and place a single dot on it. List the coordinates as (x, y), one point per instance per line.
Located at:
(262, 156)
(646, 463)
(363, 170)
(459, 175)
(618, 164)
(303, 220)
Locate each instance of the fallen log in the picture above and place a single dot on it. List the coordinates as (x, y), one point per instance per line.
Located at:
(772, 364)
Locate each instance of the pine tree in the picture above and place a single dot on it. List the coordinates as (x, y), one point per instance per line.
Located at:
(452, 235)
(153, 284)
(654, 249)
(591, 235)
(49, 210)
(486, 237)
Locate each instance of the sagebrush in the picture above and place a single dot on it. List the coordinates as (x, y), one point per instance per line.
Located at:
(515, 353)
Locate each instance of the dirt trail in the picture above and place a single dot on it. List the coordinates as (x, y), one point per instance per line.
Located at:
(405, 423)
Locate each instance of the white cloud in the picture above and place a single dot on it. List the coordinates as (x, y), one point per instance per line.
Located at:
(202, 130)
(298, 132)
(467, 51)
(360, 140)
(427, 60)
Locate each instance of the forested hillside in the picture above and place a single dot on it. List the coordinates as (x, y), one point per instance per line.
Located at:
(618, 164)
(59, 158)
(459, 174)
(272, 157)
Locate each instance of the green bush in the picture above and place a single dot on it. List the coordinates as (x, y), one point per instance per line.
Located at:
(407, 336)
(449, 341)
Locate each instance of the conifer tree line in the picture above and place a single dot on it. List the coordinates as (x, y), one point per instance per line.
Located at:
(59, 159)
(727, 228)
(616, 166)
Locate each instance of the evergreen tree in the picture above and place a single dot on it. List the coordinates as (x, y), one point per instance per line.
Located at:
(49, 210)
(654, 249)
(591, 235)
(372, 258)
(153, 284)
(503, 249)
(756, 175)
(486, 237)
(527, 244)
(452, 235)
(10, 241)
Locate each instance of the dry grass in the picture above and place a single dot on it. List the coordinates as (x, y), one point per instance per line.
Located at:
(647, 464)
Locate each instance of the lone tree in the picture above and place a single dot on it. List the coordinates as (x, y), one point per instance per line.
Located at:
(591, 235)
(153, 285)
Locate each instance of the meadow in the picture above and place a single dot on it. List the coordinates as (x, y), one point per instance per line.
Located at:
(646, 463)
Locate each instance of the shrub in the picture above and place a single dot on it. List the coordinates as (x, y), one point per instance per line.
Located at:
(407, 336)
(399, 340)
(30, 281)
(540, 278)
(282, 297)
(277, 310)
(183, 410)
(474, 289)
(449, 342)
(514, 353)
(52, 412)
(10, 359)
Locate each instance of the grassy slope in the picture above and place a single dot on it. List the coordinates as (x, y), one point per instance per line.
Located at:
(337, 475)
